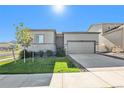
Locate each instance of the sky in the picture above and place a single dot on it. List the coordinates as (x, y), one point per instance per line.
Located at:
(63, 19)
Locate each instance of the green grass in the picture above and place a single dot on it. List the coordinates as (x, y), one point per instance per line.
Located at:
(40, 65)
(64, 65)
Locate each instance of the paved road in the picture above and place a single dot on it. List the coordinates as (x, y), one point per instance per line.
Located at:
(25, 80)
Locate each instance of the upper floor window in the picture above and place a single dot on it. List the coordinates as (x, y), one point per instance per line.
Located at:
(40, 38)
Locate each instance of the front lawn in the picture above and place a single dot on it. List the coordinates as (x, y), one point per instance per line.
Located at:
(64, 65)
(40, 65)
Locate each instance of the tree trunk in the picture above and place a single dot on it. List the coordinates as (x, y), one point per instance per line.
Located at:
(13, 55)
(24, 54)
(32, 56)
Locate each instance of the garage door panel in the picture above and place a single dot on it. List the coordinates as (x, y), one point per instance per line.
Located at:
(80, 47)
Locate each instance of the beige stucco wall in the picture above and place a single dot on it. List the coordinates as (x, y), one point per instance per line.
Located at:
(115, 38)
(80, 37)
(102, 42)
(76, 36)
(49, 41)
(43, 47)
(49, 36)
(102, 39)
(59, 40)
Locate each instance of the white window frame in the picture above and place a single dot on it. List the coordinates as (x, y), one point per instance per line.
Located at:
(38, 40)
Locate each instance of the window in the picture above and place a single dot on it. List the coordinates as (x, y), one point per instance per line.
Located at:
(39, 38)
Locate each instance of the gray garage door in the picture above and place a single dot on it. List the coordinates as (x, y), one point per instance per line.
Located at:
(79, 47)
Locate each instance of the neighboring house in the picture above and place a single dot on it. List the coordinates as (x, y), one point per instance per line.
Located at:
(5, 46)
(72, 42)
(111, 35)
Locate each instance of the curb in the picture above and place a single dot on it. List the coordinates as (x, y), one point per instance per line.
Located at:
(111, 56)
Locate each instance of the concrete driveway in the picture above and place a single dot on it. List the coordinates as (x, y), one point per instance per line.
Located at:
(96, 61)
(25, 80)
(107, 69)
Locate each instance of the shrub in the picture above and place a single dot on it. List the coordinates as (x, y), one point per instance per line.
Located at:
(27, 54)
(49, 53)
(60, 52)
(41, 53)
(36, 54)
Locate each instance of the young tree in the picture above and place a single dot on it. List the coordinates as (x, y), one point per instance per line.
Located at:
(23, 37)
(12, 47)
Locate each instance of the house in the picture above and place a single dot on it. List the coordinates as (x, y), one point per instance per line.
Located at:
(44, 39)
(111, 35)
(5, 46)
(72, 42)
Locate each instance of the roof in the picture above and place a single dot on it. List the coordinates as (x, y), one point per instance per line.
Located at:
(101, 24)
(81, 32)
(53, 30)
(4, 45)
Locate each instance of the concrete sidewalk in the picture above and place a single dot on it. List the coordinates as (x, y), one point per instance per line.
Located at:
(100, 79)
(77, 80)
(113, 78)
(25, 80)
